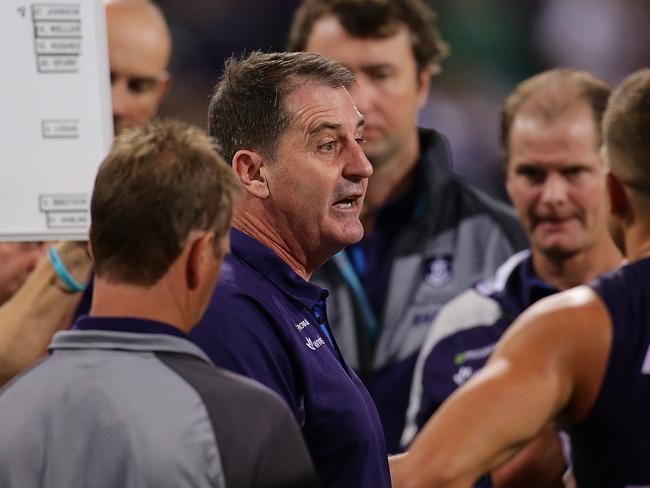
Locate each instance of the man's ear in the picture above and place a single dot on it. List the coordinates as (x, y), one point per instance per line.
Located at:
(197, 259)
(424, 84)
(619, 202)
(163, 86)
(249, 167)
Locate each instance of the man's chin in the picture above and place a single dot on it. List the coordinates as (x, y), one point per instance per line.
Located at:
(560, 249)
(351, 234)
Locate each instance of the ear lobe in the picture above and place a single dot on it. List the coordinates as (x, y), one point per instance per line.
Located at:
(619, 205)
(196, 259)
(249, 167)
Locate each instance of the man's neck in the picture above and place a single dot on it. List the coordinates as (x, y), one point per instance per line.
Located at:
(159, 303)
(391, 178)
(577, 269)
(261, 230)
(637, 243)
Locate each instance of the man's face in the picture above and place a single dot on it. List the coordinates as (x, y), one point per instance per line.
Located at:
(389, 91)
(556, 181)
(138, 54)
(319, 177)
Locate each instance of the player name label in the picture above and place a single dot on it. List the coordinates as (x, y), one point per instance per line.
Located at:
(44, 11)
(68, 220)
(61, 203)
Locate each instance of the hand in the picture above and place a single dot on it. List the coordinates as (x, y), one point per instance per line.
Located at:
(17, 260)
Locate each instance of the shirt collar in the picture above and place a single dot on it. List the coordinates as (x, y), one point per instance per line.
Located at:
(274, 269)
(523, 287)
(127, 324)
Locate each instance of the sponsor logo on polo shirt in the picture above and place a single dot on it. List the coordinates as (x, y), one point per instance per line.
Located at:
(300, 326)
(480, 353)
(314, 344)
(463, 374)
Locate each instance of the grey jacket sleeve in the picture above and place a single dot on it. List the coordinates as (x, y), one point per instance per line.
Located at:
(258, 437)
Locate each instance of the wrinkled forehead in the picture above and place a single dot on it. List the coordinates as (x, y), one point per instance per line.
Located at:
(312, 106)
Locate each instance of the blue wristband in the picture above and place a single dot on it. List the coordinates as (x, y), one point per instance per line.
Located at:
(62, 272)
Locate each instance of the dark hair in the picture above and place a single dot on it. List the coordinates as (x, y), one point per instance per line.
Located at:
(247, 108)
(553, 92)
(378, 19)
(626, 128)
(159, 182)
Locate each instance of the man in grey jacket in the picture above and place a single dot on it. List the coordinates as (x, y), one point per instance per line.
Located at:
(125, 399)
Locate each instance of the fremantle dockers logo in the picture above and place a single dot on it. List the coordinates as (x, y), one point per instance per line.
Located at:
(439, 271)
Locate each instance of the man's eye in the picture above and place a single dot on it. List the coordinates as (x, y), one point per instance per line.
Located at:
(380, 73)
(328, 146)
(532, 174)
(141, 84)
(573, 172)
(360, 140)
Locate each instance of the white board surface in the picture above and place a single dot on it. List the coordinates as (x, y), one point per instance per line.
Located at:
(55, 116)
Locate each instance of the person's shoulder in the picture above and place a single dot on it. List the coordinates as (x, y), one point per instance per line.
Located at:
(216, 384)
(248, 391)
(467, 310)
(567, 317)
(577, 299)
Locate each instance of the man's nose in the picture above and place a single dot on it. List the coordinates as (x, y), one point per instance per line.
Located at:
(357, 164)
(554, 190)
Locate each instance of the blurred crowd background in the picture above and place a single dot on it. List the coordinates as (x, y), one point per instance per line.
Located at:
(493, 45)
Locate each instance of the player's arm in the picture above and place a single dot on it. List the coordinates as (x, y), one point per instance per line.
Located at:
(42, 306)
(17, 260)
(551, 361)
(540, 464)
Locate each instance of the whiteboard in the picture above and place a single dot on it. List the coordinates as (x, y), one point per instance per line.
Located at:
(55, 116)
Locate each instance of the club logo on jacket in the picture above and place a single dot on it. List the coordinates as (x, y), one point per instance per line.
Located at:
(439, 271)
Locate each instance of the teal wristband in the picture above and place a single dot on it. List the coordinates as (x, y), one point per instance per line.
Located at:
(62, 272)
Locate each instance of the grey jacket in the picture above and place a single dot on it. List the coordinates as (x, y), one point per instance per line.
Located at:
(121, 409)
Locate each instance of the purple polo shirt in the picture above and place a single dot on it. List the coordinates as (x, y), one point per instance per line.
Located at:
(266, 322)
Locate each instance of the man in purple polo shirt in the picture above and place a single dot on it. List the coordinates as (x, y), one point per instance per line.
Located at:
(293, 135)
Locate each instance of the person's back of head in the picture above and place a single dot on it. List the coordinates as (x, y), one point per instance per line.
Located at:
(626, 129)
(159, 183)
(626, 126)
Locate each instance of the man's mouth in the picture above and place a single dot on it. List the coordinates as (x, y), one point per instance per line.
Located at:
(553, 221)
(346, 203)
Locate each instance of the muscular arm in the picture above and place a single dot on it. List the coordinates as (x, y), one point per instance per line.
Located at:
(39, 308)
(539, 464)
(550, 362)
